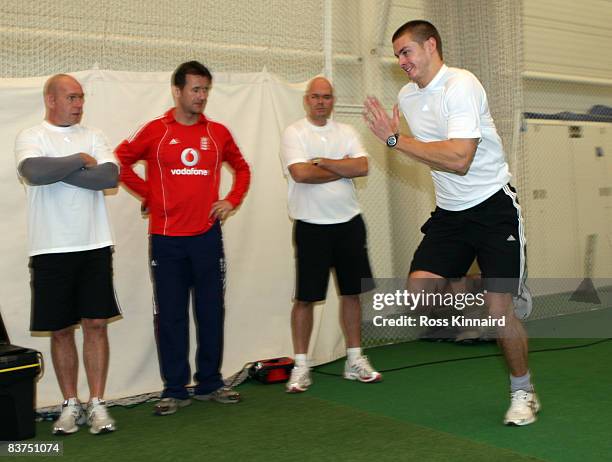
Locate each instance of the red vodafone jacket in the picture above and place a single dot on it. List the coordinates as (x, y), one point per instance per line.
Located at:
(183, 171)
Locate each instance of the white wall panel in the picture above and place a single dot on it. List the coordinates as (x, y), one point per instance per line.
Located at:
(592, 178)
(552, 97)
(567, 198)
(568, 37)
(549, 202)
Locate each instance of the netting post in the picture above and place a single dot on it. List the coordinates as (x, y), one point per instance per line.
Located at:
(328, 71)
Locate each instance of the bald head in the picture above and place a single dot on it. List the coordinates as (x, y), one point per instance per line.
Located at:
(53, 82)
(320, 83)
(64, 99)
(319, 100)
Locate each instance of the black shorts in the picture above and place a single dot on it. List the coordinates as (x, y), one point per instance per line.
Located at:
(492, 232)
(67, 287)
(342, 246)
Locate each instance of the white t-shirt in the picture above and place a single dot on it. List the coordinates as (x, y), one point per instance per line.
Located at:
(454, 105)
(62, 217)
(325, 203)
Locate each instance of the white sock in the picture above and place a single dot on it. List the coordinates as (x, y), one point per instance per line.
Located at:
(95, 401)
(521, 383)
(352, 354)
(72, 401)
(301, 360)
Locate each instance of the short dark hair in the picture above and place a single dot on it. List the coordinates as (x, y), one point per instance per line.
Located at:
(190, 67)
(420, 31)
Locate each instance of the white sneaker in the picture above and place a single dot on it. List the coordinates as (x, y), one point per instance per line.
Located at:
(299, 380)
(523, 408)
(361, 370)
(523, 303)
(98, 419)
(71, 417)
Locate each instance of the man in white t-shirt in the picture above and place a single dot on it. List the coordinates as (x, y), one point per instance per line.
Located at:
(320, 157)
(65, 167)
(477, 213)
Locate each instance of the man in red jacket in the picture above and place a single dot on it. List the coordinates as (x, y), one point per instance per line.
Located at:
(183, 151)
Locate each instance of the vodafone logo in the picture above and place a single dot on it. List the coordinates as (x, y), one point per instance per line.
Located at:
(190, 157)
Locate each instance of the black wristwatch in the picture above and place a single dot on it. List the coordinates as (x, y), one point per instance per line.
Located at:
(392, 140)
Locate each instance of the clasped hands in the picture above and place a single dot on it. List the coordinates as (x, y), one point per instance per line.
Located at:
(377, 120)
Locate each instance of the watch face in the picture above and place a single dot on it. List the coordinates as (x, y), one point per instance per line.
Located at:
(392, 141)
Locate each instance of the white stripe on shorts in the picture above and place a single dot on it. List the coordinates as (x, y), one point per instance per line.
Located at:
(521, 238)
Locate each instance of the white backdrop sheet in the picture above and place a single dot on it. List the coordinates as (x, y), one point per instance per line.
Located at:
(260, 258)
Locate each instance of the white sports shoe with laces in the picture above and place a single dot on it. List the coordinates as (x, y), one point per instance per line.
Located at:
(524, 406)
(98, 419)
(300, 380)
(523, 303)
(361, 370)
(71, 417)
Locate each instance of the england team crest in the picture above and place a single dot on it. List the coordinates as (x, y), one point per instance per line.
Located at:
(204, 143)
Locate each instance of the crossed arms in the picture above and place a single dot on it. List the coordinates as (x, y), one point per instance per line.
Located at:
(324, 170)
(81, 170)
